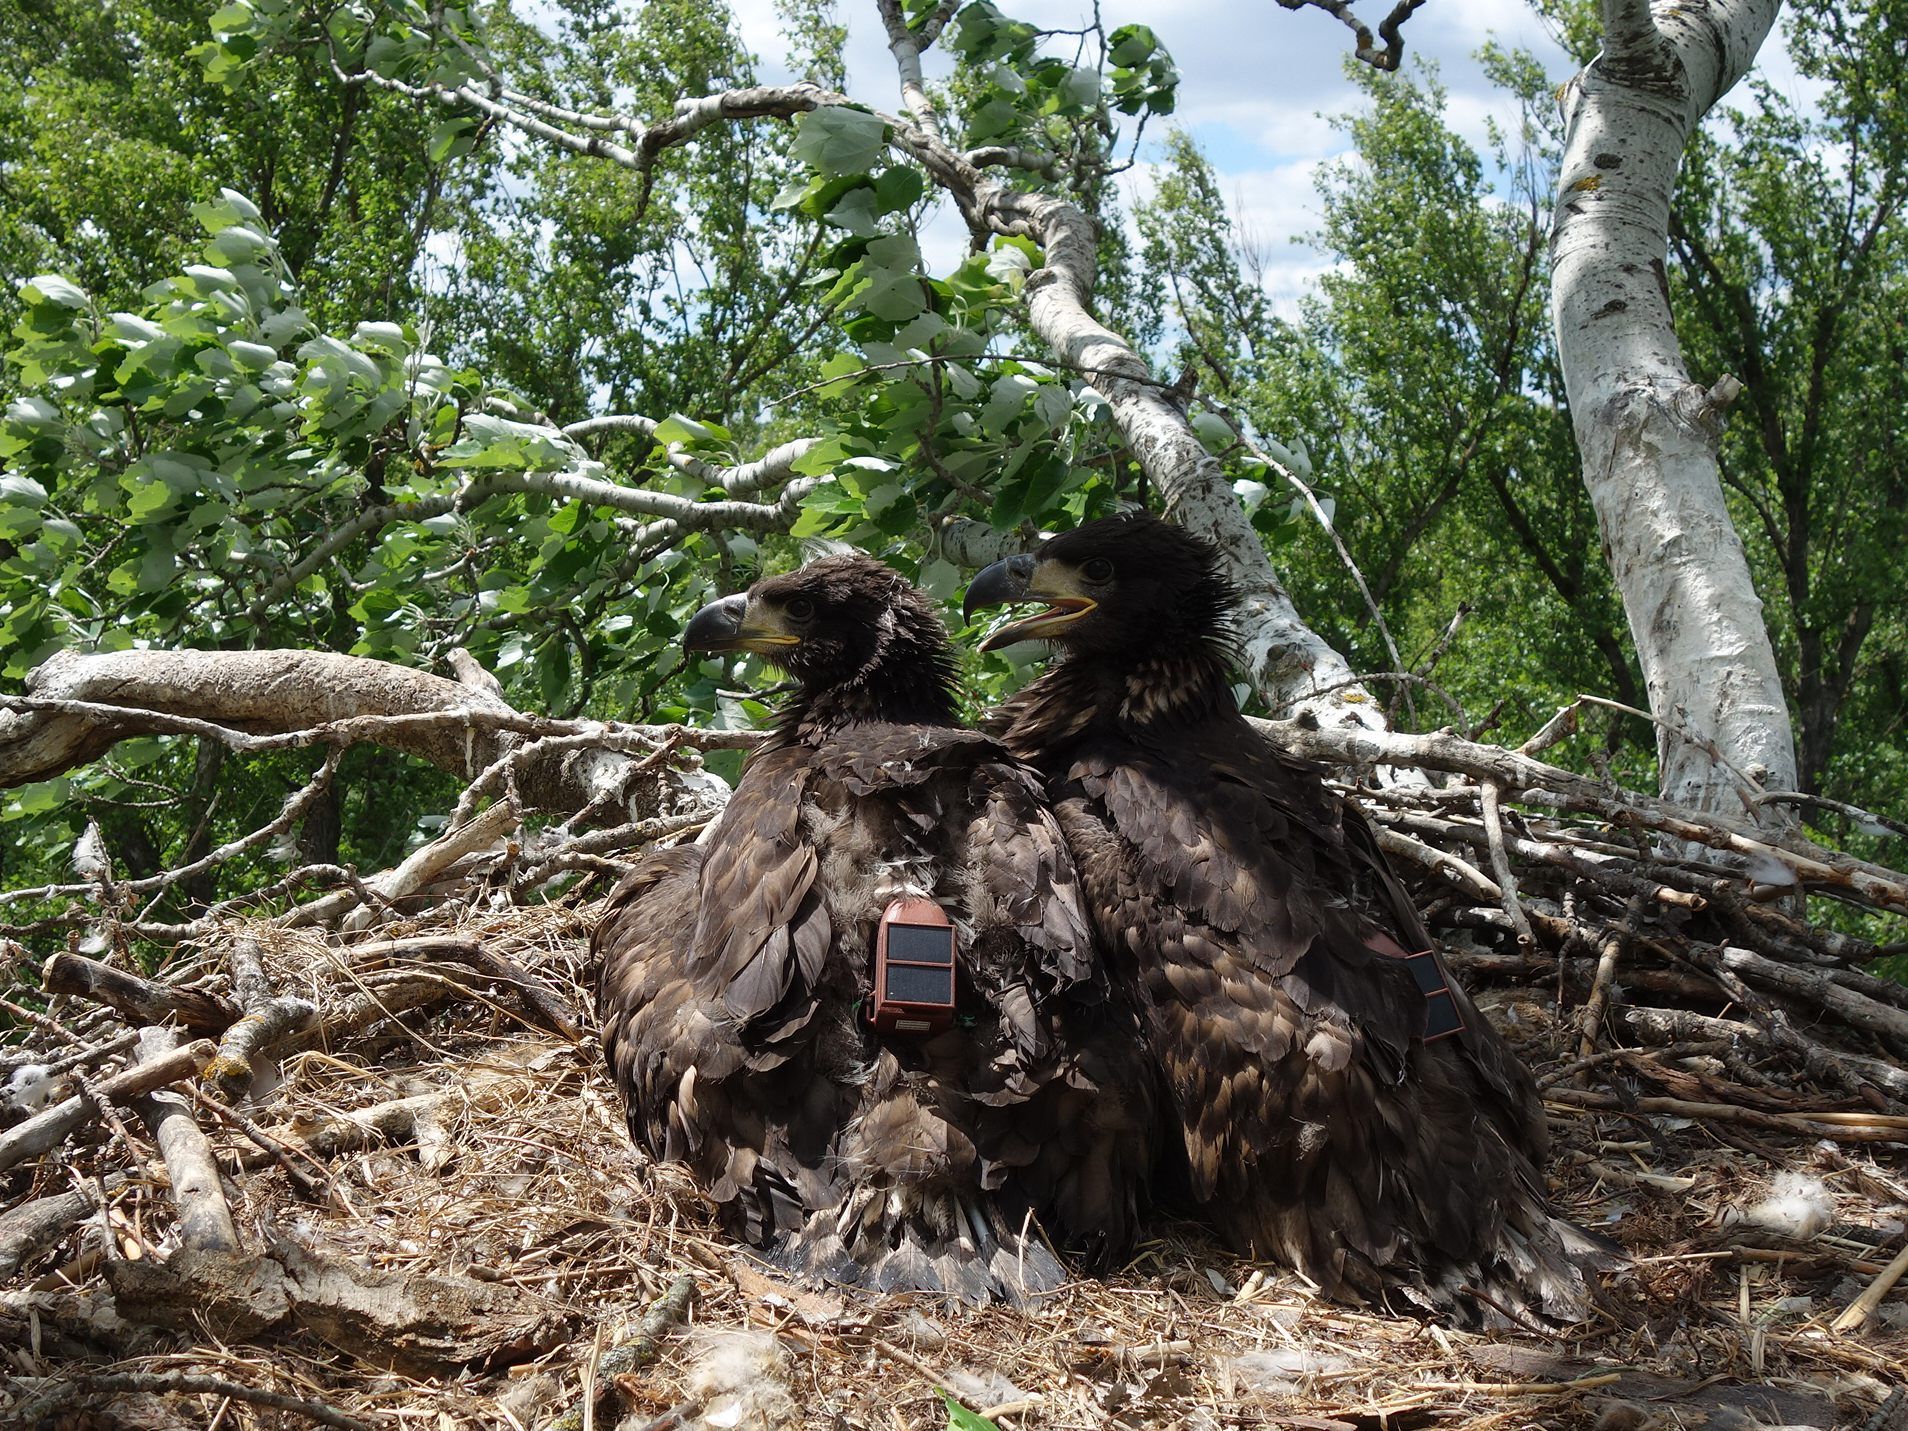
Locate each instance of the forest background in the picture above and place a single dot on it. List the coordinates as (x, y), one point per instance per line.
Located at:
(314, 360)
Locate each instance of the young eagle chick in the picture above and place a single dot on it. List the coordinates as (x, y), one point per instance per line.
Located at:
(736, 976)
(1344, 1108)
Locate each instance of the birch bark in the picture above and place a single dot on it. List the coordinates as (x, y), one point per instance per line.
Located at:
(1291, 665)
(1648, 434)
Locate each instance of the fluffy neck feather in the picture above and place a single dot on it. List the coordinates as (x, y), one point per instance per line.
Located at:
(907, 684)
(1158, 693)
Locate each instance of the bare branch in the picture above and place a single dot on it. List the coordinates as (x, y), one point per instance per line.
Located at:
(80, 705)
(1367, 49)
(906, 48)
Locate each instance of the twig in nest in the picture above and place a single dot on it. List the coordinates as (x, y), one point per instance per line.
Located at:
(1489, 796)
(664, 1315)
(184, 1383)
(1591, 1019)
(294, 809)
(546, 1008)
(1563, 1073)
(1857, 1313)
(47, 1129)
(279, 1152)
(1443, 861)
(1834, 1125)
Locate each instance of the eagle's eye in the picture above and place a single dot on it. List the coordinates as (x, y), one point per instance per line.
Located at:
(799, 608)
(1097, 570)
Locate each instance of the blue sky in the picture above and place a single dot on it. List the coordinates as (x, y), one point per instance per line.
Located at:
(1257, 84)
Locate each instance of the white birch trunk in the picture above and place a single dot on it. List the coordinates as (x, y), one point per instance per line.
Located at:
(1648, 435)
(1292, 666)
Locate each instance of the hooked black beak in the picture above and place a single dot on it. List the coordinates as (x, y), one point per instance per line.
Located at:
(731, 625)
(716, 626)
(1020, 578)
(1001, 584)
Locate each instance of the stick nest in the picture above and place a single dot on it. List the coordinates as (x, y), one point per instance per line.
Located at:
(442, 1223)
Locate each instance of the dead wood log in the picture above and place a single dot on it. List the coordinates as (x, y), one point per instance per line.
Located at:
(1664, 1026)
(198, 1197)
(29, 1229)
(545, 1006)
(46, 1130)
(85, 1315)
(80, 704)
(1813, 986)
(268, 1018)
(140, 1001)
(415, 1323)
(418, 1119)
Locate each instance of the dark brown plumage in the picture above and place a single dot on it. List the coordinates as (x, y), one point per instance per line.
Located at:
(1240, 901)
(734, 974)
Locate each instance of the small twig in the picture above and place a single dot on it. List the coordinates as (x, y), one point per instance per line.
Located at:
(280, 1152)
(1853, 1127)
(1855, 1316)
(1563, 1073)
(66, 1387)
(1590, 1020)
(1854, 812)
(664, 1315)
(1488, 801)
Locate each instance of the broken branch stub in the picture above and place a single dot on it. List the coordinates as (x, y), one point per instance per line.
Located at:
(139, 1000)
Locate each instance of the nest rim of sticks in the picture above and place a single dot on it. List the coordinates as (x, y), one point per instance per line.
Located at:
(395, 1094)
(434, 1128)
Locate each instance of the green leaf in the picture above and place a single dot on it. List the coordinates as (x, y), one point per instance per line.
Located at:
(688, 432)
(838, 140)
(856, 213)
(452, 138)
(1214, 432)
(898, 187)
(959, 1418)
(1081, 88)
(17, 492)
(498, 442)
(232, 19)
(1132, 45)
(52, 289)
(40, 797)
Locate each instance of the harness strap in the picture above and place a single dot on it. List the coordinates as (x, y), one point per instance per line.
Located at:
(1441, 1016)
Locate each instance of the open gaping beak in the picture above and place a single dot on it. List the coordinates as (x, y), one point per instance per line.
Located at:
(1022, 578)
(732, 624)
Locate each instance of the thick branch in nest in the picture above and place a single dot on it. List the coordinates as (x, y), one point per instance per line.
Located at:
(47, 1130)
(138, 1000)
(198, 1199)
(413, 1322)
(80, 705)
